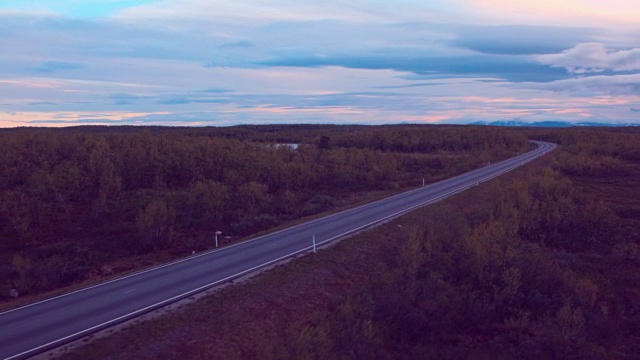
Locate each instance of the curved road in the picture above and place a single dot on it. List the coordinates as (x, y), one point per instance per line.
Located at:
(35, 328)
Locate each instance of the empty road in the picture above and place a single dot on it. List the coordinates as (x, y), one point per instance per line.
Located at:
(35, 328)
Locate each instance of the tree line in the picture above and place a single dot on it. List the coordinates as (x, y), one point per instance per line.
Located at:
(538, 264)
(75, 199)
(463, 285)
(547, 270)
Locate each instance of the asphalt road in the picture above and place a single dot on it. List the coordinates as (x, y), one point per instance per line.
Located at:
(35, 328)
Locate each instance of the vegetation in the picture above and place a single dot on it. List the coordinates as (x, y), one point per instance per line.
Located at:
(81, 203)
(541, 263)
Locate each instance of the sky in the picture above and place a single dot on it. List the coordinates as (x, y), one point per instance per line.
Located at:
(228, 62)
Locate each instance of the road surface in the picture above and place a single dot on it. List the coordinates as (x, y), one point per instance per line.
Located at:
(41, 326)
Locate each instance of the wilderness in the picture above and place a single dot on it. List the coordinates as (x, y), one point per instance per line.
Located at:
(541, 262)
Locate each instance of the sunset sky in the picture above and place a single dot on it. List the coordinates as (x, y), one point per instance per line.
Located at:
(227, 62)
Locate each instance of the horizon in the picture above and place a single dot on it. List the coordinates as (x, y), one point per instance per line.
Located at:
(191, 63)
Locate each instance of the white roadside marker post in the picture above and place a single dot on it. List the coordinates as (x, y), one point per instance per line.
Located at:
(314, 243)
(216, 236)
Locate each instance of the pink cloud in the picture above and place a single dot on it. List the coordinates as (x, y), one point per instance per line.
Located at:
(66, 118)
(622, 13)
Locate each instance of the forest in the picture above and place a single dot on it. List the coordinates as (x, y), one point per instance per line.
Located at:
(540, 263)
(83, 203)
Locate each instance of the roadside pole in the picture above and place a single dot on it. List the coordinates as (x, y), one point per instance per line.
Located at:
(216, 236)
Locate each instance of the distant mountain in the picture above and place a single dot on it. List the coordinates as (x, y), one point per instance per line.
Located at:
(551, 124)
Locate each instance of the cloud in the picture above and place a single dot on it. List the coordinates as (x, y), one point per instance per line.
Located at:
(521, 39)
(73, 8)
(43, 103)
(209, 101)
(254, 61)
(124, 99)
(217, 90)
(49, 67)
(185, 99)
(593, 58)
(176, 100)
(245, 44)
(261, 12)
(613, 13)
(69, 39)
(513, 68)
(66, 118)
(635, 109)
(614, 85)
(408, 85)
